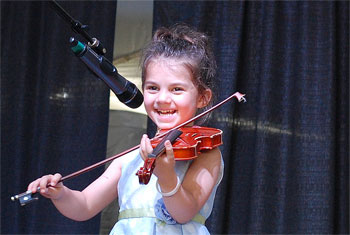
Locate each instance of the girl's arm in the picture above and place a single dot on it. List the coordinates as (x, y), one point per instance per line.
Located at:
(82, 205)
(196, 187)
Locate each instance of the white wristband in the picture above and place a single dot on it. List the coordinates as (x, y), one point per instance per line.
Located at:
(172, 192)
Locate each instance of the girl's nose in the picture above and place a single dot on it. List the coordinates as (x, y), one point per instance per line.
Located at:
(163, 97)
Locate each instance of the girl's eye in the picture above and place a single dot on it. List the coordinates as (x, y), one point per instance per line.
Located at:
(152, 88)
(178, 89)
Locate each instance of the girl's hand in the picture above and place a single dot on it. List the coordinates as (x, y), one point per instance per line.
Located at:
(145, 147)
(165, 163)
(53, 192)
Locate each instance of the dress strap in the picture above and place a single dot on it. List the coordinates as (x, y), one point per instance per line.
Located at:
(149, 212)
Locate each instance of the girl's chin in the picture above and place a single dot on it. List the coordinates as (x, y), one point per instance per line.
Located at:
(166, 126)
(166, 122)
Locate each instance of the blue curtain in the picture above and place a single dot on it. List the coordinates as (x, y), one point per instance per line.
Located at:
(54, 111)
(286, 150)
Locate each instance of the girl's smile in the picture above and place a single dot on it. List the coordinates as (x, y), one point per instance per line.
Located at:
(170, 96)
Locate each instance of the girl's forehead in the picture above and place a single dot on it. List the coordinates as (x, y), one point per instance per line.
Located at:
(168, 62)
(173, 67)
(179, 68)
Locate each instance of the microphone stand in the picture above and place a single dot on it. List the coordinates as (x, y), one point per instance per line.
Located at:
(107, 74)
(79, 28)
(92, 55)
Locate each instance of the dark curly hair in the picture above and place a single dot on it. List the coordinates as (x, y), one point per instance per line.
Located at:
(184, 43)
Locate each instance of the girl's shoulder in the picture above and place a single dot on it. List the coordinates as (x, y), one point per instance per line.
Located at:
(212, 156)
(129, 155)
(124, 159)
(209, 160)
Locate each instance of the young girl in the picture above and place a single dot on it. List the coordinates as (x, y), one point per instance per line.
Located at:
(177, 79)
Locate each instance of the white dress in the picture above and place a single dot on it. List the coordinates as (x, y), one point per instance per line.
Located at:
(139, 204)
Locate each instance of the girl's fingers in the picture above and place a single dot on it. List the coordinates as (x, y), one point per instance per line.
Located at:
(50, 186)
(55, 179)
(43, 184)
(149, 147)
(145, 147)
(166, 161)
(33, 186)
(169, 149)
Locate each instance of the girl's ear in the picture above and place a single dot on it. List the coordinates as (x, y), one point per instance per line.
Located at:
(204, 98)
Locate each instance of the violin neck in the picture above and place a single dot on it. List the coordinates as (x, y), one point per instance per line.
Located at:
(160, 148)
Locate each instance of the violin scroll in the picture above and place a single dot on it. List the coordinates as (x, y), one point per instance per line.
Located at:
(146, 171)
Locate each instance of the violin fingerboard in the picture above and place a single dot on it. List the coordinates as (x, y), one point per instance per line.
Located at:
(160, 148)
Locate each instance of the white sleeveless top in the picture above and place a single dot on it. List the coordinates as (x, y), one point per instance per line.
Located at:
(137, 202)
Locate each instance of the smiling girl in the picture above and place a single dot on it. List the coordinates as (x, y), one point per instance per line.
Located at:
(178, 71)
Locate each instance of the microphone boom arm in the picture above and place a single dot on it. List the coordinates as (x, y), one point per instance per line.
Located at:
(79, 28)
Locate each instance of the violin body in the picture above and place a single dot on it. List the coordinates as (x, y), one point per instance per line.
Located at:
(193, 141)
(187, 144)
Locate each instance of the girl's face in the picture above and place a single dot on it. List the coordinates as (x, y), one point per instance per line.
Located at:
(170, 97)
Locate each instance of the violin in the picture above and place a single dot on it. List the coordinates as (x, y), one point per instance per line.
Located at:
(188, 143)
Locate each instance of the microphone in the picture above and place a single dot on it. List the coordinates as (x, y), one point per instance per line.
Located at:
(126, 91)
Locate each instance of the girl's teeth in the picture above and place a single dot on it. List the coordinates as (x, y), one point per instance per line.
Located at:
(166, 112)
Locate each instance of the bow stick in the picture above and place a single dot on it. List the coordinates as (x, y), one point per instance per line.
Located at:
(26, 197)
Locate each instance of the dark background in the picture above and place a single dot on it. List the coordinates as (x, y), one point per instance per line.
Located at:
(286, 150)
